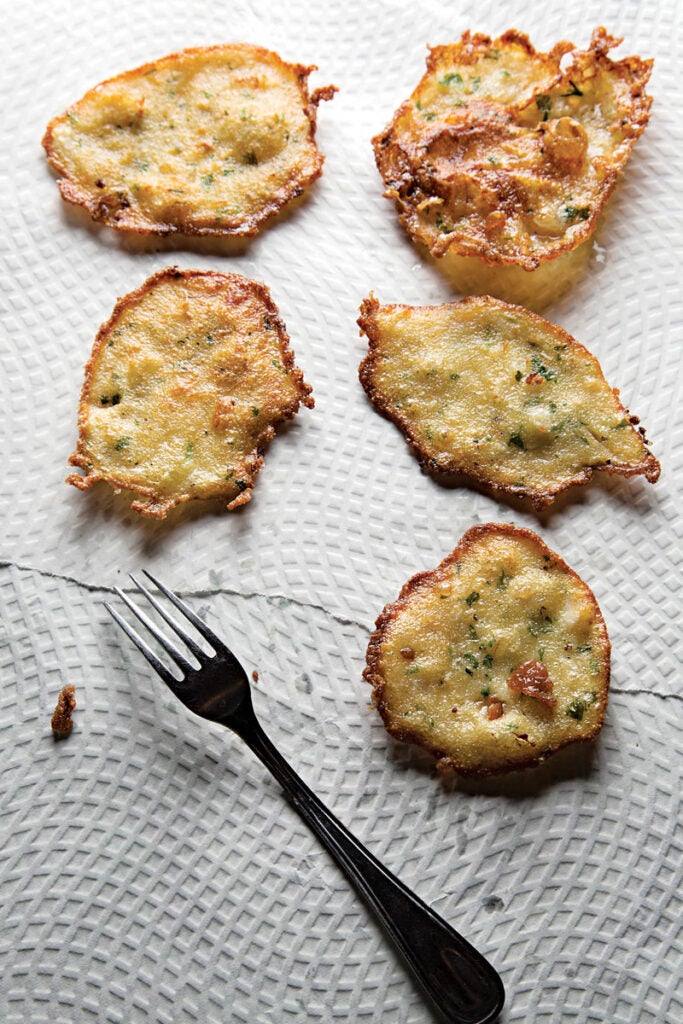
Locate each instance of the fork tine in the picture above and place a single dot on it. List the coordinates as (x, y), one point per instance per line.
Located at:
(144, 648)
(171, 649)
(187, 640)
(198, 623)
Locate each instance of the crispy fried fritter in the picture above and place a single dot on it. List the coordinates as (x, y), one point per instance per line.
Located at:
(493, 660)
(185, 385)
(491, 391)
(507, 154)
(209, 141)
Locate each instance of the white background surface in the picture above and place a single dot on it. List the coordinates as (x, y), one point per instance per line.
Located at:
(149, 871)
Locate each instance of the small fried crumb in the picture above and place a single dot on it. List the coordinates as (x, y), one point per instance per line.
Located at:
(61, 719)
(254, 676)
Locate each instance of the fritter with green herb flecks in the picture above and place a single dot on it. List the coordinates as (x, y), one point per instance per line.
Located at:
(493, 660)
(491, 391)
(209, 141)
(508, 154)
(184, 388)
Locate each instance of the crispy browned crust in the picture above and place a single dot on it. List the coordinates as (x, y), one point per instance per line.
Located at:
(155, 505)
(106, 208)
(649, 467)
(401, 162)
(427, 580)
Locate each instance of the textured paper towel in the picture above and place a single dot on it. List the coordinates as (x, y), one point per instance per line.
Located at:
(149, 871)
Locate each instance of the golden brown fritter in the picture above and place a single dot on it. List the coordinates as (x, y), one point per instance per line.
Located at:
(493, 392)
(507, 154)
(209, 141)
(184, 388)
(493, 660)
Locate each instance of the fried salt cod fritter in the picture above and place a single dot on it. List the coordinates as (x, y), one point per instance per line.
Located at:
(208, 141)
(495, 659)
(184, 388)
(490, 391)
(507, 154)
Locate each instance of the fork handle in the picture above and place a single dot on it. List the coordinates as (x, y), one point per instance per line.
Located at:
(459, 981)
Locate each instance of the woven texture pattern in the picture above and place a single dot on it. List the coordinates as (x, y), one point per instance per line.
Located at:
(149, 869)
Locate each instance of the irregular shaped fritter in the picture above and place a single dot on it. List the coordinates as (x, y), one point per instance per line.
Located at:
(493, 660)
(507, 154)
(186, 382)
(209, 141)
(491, 391)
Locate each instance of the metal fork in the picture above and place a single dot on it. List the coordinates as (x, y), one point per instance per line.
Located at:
(461, 985)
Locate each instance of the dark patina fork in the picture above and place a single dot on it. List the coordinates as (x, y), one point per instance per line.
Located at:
(461, 985)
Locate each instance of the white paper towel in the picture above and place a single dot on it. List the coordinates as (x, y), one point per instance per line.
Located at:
(149, 870)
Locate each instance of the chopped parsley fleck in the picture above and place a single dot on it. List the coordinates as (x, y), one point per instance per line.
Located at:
(207, 181)
(189, 450)
(620, 424)
(110, 399)
(255, 410)
(412, 671)
(485, 691)
(541, 623)
(472, 598)
(487, 660)
(544, 104)
(502, 581)
(472, 662)
(451, 77)
(584, 649)
(577, 212)
(441, 224)
(537, 366)
(516, 441)
(492, 55)
(122, 443)
(250, 158)
(519, 375)
(575, 709)
(455, 376)
(476, 83)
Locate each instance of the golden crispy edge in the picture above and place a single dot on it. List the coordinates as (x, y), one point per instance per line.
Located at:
(72, 191)
(648, 467)
(373, 671)
(156, 506)
(634, 70)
